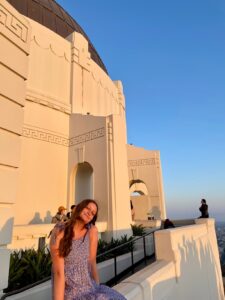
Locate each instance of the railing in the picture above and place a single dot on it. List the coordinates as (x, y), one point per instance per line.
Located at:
(130, 244)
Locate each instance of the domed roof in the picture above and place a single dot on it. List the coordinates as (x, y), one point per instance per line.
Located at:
(50, 14)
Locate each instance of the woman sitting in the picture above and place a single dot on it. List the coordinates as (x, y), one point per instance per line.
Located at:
(73, 249)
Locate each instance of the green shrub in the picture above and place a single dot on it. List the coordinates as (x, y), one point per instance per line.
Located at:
(106, 246)
(138, 230)
(28, 266)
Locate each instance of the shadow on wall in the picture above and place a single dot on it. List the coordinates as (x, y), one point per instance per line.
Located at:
(197, 278)
(6, 231)
(38, 220)
(200, 258)
(48, 217)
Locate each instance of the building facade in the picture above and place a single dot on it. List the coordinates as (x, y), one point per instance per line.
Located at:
(63, 129)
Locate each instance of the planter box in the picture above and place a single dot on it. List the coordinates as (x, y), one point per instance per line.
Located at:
(106, 268)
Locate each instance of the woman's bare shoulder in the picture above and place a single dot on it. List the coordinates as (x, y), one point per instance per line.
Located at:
(93, 230)
(57, 233)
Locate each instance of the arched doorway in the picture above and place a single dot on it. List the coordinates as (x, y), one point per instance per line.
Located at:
(83, 183)
(139, 199)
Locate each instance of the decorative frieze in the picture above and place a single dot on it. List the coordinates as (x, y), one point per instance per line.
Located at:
(13, 24)
(105, 86)
(59, 52)
(40, 134)
(141, 162)
(89, 136)
(43, 135)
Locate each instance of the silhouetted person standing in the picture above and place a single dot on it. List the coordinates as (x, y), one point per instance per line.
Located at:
(204, 209)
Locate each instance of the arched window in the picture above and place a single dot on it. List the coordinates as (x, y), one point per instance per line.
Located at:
(139, 200)
(137, 188)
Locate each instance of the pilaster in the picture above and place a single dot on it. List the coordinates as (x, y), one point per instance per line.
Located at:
(119, 195)
(80, 63)
(14, 51)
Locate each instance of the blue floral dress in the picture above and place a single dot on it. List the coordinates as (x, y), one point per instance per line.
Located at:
(79, 284)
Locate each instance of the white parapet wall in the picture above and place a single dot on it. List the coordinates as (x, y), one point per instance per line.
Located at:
(156, 281)
(187, 267)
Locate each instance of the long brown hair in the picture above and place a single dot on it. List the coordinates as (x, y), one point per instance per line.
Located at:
(66, 242)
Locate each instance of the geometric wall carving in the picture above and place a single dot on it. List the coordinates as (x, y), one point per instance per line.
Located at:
(13, 24)
(89, 136)
(141, 162)
(110, 131)
(80, 153)
(43, 135)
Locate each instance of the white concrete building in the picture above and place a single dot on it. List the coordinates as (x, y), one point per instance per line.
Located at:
(63, 131)
(63, 138)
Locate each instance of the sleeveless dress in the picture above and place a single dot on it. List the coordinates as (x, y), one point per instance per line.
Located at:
(79, 284)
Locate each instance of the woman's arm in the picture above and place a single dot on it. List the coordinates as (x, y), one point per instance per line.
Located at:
(93, 252)
(57, 265)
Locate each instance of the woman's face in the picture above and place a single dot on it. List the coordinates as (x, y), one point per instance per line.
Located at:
(88, 213)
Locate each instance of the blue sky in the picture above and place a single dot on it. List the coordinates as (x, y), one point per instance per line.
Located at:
(170, 56)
